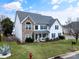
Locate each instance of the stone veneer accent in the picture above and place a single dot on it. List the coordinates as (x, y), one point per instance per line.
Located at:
(25, 31)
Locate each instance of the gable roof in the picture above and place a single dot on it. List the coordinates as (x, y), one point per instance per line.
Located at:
(37, 18)
(73, 25)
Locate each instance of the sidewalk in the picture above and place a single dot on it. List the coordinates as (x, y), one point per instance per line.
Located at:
(67, 55)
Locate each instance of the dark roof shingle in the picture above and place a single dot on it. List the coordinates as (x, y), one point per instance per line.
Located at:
(37, 18)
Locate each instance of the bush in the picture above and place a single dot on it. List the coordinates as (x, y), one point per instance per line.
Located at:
(47, 39)
(62, 37)
(4, 50)
(18, 41)
(56, 39)
(73, 43)
(29, 40)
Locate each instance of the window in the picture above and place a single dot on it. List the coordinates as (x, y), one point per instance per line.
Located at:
(44, 35)
(43, 27)
(59, 34)
(53, 35)
(56, 27)
(38, 36)
(36, 27)
(28, 25)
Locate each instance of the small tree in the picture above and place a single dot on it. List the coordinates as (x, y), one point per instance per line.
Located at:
(73, 29)
(75, 33)
(7, 26)
(69, 25)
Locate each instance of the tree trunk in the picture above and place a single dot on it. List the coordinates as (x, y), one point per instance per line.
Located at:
(76, 37)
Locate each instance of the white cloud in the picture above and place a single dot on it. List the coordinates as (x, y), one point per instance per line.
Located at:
(13, 6)
(30, 7)
(78, 4)
(55, 7)
(56, 1)
(22, 1)
(60, 1)
(71, 12)
(70, 1)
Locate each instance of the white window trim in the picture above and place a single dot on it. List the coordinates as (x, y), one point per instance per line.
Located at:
(56, 28)
(28, 29)
(35, 28)
(43, 25)
(53, 34)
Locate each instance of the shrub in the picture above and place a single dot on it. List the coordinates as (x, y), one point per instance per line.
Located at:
(4, 50)
(73, 43)
(29, 40)
(47, 39)
(62, 37)
(18, 41)
(56, 39)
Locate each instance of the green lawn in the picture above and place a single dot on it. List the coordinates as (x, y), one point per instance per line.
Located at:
(39, 50)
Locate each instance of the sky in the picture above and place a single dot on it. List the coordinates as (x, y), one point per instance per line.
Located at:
(61, 9)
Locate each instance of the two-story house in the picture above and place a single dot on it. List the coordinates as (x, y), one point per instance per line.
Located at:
(36, 26)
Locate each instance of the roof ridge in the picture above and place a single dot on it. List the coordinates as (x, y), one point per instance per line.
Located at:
(33, 13)
(37, 18)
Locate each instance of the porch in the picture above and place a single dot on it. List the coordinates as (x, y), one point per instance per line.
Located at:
(40, 35)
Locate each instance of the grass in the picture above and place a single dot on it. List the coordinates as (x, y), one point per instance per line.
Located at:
(39, 50)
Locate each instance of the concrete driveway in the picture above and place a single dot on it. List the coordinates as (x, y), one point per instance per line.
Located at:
(69, 37)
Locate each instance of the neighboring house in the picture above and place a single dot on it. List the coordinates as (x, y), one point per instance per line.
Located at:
(36, 26)
(71, 27)
(65, 30)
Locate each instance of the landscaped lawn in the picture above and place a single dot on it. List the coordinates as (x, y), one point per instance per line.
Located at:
(41, 50)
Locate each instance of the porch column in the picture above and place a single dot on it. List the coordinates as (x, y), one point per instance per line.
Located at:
(46, 35)
(35, 37)
(41, 36)
(38, 38)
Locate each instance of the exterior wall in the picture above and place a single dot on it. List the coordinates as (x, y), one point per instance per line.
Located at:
(21, 32)
(18, 29)
(53, 30)
(25, 31)
(39, 26)
(38, 34)
(66, 31)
